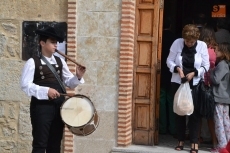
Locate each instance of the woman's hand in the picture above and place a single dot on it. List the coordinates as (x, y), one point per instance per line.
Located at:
(181, 73)
(190, 75)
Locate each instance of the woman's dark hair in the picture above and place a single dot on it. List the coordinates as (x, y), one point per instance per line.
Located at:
(207, 35)
(224, 48)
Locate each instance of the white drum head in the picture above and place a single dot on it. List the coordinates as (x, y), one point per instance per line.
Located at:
(77, 111)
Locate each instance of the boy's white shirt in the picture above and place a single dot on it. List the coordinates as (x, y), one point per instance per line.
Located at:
(41, 92)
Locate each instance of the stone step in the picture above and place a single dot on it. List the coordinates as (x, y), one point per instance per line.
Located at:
(155, 149)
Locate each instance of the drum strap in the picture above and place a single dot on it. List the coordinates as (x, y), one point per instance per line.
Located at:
(54, 72)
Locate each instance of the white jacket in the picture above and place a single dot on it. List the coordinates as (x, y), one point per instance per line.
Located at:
(175, 59)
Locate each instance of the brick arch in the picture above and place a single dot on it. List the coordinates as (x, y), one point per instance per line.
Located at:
(124, 136)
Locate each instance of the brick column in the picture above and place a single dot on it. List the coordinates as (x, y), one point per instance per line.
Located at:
(126, 73)
(125, 70)
(68, 142)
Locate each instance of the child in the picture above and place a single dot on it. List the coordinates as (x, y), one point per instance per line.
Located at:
(219, 77)
(208, 36)
(40, 83)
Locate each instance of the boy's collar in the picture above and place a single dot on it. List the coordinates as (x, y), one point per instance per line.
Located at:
(49, 58)
(52, 58)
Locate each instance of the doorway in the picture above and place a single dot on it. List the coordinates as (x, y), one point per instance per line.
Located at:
(184, 12)
(148, 28)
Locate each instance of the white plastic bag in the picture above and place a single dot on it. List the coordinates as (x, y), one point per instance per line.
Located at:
(183, 102)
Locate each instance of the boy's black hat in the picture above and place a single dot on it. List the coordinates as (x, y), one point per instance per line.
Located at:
(50, 32)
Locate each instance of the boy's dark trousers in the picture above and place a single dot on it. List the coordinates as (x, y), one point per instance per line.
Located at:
(47, 125)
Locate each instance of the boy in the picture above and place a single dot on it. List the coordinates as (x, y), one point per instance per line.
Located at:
(40, 83)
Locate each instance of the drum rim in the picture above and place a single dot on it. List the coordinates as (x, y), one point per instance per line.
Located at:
(90, 118)
(70, 127)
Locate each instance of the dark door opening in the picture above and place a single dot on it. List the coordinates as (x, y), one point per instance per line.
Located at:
(183, 12)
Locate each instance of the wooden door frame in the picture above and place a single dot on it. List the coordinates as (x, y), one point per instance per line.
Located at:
(159, 50)
(126, 71)
(147, 133)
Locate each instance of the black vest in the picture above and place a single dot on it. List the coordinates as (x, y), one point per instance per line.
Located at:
(43, 74)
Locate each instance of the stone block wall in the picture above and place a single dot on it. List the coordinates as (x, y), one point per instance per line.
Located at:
(93, 40)
(98, 44)
(100, 37)
(15, 127)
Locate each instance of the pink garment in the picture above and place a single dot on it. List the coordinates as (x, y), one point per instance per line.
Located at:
(212, 61)
(212, 57)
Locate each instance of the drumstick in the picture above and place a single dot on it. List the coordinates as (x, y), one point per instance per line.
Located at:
(69, 95)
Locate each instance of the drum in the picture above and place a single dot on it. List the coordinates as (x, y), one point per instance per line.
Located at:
(80, 115)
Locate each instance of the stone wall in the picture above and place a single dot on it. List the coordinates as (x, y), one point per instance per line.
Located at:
(97, 47)
(98, 40)
(15, 127)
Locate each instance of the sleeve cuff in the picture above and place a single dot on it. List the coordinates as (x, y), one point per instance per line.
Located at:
(43, 93)
(175, 69)
(74, 82)
(196, 72)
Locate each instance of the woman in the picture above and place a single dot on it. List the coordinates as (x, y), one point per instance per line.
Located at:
(208, 36)
(185, 59)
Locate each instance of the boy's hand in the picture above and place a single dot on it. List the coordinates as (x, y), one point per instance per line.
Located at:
(80, 71)
(53, 94)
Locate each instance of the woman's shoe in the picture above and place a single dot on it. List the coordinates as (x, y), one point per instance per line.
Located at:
(193, 148)
(180, 146)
